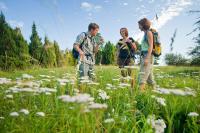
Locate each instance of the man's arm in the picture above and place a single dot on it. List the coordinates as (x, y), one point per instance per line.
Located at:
(96, 48)
(77, 43)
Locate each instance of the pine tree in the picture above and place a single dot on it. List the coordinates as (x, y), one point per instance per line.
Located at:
(48, 56)
(69, 59)
(109, 53)
(7, 45)
(22, 51)
(21, 44)
(35, 46)
(59, 57)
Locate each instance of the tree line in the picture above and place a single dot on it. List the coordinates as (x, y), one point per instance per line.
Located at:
(17, 53)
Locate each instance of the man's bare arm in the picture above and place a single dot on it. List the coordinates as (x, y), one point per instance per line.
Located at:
(81, 53)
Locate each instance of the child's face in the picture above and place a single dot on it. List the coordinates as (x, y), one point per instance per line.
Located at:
(140, 27)
(123, 33)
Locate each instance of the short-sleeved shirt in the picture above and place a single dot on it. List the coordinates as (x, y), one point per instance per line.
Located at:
(87, 47)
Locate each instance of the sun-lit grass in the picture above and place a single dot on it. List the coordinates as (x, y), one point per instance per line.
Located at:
(128, 110)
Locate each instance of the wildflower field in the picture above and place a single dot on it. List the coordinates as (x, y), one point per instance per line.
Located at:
(48, 100)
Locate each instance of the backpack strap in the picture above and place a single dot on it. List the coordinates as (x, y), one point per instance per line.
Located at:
(85, 38)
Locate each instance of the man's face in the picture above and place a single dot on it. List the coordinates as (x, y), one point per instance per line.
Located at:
(94, 32)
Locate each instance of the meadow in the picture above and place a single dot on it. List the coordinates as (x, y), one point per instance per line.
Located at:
(48, 100)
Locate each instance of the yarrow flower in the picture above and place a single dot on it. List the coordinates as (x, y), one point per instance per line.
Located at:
(110, 120)
(14, 114)
(159, 100)
(79, 98)
(9, 96)
(159, 124)
(97, 106)
(25, 111)
(193, 114)
(5, 81)
(63, 81)
(40, 114)
(103, 95)
(188, 91)
(27, 76)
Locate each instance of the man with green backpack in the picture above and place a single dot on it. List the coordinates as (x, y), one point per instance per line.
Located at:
(85, 48)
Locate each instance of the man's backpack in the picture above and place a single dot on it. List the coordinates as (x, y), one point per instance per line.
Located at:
(75, 53)
(156, 43)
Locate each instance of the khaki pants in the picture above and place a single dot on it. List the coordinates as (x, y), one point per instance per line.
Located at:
(146, 72)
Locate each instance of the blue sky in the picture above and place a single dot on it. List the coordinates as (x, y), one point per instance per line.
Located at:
(62, 20)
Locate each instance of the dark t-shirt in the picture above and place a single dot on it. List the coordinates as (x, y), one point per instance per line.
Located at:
(125, 50)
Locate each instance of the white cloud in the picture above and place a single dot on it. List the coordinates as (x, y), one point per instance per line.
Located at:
(125, 4)
(90, 7)
(15, 23)
(3, 6)
(86, 6)
(172, 10)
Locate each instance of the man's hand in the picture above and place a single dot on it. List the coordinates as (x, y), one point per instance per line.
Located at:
(81, 53)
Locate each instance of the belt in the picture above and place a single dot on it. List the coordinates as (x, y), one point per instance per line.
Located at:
(89, 55)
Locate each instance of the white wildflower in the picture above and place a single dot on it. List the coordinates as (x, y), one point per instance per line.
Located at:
(103, 95)
(193, 114)
(124, 85)
(63, 81)
(116, 79)
(5, 81)
(79, 98)
(45, 76)
(14, 114)
(97, 106)
(175, 91)
(45, 89)
(9, 96)
(110, 120)
(82, 98)
(28, 83)
(67, 98)
(27, 76)
(40, 114)
(25, 111)
(47, 93)
(159, 124)
(159, 100)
